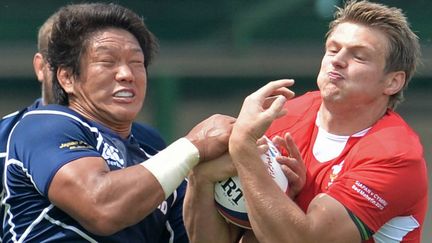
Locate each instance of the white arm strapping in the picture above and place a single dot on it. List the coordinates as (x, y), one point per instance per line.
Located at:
(171, 165)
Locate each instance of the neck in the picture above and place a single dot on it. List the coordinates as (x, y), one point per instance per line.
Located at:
(122, 129)
(349, 121)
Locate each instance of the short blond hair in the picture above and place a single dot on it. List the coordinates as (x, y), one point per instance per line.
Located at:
(44, 34)
(404, 48)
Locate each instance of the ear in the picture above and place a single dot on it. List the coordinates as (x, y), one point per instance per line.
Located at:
(38, 65)
(66, 79)
(395, 82)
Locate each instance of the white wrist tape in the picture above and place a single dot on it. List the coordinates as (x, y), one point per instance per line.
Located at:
(171, 165)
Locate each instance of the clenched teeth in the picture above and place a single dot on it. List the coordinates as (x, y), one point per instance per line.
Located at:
(124, 94)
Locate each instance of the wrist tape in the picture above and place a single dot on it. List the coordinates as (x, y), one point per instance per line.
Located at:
(171, 165)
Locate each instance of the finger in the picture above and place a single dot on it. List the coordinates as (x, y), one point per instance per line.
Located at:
(276, 108)
(268, 101)
(263, 148)
(281, 144)
(262, 140)
(277, 87)
(292, 147)
(292, 163)
(290, 175)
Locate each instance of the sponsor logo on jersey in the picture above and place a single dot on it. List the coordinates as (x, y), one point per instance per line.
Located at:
(336, 169)
(111, 156)
(369, 195)
(75, 145)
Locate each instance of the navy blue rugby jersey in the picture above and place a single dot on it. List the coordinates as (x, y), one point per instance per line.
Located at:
(52, 136)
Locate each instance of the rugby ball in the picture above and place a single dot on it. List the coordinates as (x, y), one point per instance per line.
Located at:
(229, 198)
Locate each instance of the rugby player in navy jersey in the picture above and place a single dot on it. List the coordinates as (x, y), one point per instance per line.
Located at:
(74, 172)
(44, 76)
(141, 132)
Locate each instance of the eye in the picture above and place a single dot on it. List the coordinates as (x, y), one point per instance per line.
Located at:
(332, 51)
(359, 56)
(137, 61)
(106, 59)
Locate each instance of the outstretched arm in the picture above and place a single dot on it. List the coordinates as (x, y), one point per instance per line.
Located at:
(105, 201)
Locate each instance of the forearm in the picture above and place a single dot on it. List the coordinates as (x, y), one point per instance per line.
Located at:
(270, 211)
(203, 222)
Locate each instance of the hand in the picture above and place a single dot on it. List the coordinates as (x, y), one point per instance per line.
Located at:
(211, 136)
(292, 165)
(260, 109)
(215, 170)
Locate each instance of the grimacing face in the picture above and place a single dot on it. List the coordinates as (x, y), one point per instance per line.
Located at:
(113, 79)
(352, 70)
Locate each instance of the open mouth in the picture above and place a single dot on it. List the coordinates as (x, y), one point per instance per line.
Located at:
(124, 94)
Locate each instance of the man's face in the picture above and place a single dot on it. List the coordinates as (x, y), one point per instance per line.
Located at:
(352, 69)
(113, 78)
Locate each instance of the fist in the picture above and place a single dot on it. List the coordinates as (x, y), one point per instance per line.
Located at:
(211, 136)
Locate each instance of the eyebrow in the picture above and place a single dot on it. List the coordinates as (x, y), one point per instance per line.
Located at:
(106, 48)
(359, 46)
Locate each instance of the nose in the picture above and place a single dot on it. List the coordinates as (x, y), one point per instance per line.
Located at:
(340, 59)
(124, 74)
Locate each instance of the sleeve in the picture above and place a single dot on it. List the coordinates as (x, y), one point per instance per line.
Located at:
(44, 143)
(382, 180)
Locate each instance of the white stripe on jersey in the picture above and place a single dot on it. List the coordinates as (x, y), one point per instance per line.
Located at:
(396, 229)
(11, 114)
(174, 197)
(44, 214)
(146, 154)
(171, 231)
(7, 206)
(61, 113)
(3, 154)
(69, 227)
(34, 223)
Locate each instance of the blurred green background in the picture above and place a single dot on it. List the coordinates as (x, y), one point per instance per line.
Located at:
(213, 53)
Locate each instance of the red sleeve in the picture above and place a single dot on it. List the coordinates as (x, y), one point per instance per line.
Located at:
(385, 177)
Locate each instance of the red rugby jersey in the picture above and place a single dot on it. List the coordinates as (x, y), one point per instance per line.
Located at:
(380, 177)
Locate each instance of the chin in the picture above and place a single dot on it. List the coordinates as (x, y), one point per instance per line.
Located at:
(125, 115)
(333, 95)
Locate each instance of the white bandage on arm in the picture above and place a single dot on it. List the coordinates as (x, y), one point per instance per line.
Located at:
(171, 165)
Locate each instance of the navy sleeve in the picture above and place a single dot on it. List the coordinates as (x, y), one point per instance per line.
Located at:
(43, 143)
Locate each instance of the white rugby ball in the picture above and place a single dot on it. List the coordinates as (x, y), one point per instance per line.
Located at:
(229, 198)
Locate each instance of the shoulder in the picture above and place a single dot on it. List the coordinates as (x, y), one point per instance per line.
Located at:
(50, 120)
(148, 136)
(392, 137)
(391, 147)
(14, 117)
(8, 122)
